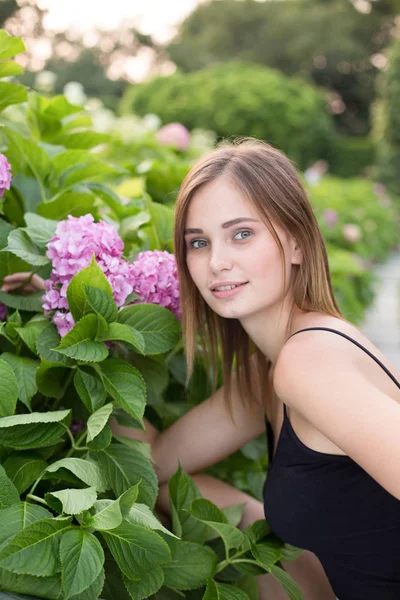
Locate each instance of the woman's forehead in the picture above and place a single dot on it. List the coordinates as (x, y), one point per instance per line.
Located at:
(220, 199)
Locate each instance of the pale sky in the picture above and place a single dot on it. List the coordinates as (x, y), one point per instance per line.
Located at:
(155, 17)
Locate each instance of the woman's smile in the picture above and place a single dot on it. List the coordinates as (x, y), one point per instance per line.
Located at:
(227, 291)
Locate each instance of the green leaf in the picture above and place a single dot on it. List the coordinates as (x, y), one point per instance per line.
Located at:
(125, 385)
(93, 592)
(52, 379)
(90, 389)
(8, 492)
(109, 513)
(290, 552)
(38, 587)
(48, 339)
(257, 530)
(23, 468)
(150, 582)
(191, 565)
(11, 93)
(142, 515)
(29, 153)
(17, 517)
(233, 513)
(124, 333)
(30, 303)
(31, 331)
(80, 344)
(102, 440)
(136, 548)
(76, 204)
(34, 550)
(8, 389)
(266, 554)
(10, 46)
(39, 229)
(125, 467)
(25, 373)
(21, 245)
(208, 513)
(289, 585)
(65, 161)
(87, 471)
(159, 327)
(182, 492)
(34, 430)
(81, 140)
(82, 560)
(110, 198)
(71, 501)
(98, 170)
(101, 302)
(154, 370)
(10, 69)
(162, 221)
(98, 420)
(143, 447)
(92, 276)
(223, 591)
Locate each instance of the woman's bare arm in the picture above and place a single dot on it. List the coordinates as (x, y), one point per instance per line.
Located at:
(206, 434)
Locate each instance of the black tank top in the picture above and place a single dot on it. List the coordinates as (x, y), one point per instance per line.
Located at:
(328, 504)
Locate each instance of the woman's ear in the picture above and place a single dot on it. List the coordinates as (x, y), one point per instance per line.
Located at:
(297, 254)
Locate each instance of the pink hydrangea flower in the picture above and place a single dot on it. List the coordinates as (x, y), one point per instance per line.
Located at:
(71, 250)
(3, 312)
(5, 174)
(152, 276)
(352, 232)
(330, 217)
(174, 134)
(155, 279)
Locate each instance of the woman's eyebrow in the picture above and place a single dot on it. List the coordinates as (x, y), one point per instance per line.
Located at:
(224, 225)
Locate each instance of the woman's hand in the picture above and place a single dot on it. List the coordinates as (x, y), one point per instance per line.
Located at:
(26, 283)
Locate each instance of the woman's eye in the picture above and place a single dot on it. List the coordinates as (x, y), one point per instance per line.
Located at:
(245, 233)
(201, 244)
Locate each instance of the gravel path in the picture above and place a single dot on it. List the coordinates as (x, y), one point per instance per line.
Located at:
(382, 322)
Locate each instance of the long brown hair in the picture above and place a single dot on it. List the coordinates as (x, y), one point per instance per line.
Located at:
(267, 178)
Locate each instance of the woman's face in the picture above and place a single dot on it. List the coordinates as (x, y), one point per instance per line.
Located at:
(228, 244)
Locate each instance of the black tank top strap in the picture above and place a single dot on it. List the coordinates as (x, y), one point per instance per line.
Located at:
(354, 342)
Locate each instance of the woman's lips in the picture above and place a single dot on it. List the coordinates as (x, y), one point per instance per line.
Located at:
(228, 293)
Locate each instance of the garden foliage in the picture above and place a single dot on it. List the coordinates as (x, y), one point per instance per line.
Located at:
(387, 121)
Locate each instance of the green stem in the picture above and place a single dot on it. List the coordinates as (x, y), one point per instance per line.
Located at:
(76, 445)
(243, 560)
(36, 483)
(36, 499)
(67, 382)
(80, 438)
(221, 566)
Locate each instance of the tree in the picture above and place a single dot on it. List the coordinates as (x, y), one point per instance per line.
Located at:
(7, 9)
(327, 41)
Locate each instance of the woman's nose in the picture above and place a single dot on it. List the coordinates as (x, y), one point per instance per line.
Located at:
(220, 260)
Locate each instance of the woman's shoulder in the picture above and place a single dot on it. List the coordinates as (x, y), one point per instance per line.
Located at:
(321, 332)
(306, 351)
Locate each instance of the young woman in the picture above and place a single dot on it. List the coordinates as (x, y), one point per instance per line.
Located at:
(254, 276)
(255, 281)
